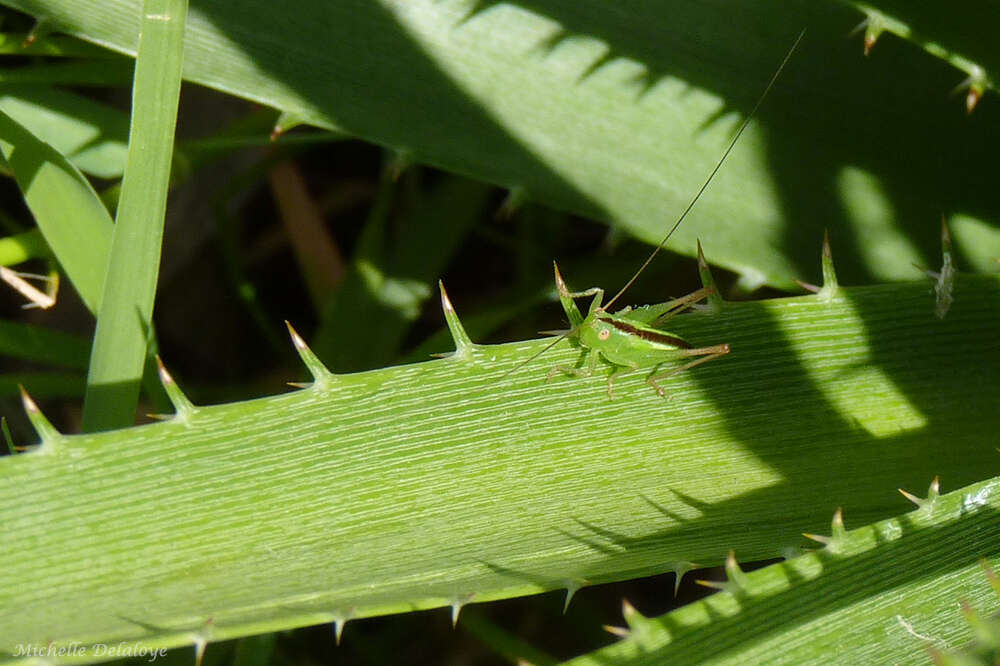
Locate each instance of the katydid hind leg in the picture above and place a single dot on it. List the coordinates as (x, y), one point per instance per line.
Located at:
(705, 355)
(679, 305)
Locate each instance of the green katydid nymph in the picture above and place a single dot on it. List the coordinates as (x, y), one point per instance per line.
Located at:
(629, 340)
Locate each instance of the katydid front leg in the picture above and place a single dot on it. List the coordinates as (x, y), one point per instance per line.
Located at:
(595, 304)
(592, 357)
(569, 305)
(620, 370)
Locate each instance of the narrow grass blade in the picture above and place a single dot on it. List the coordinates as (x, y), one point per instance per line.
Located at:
(72, 218)
(125, 317)
(92, 135)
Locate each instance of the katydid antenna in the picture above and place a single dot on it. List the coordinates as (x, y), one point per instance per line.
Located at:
(684, 214)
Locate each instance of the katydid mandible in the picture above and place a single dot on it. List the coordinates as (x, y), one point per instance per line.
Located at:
(627, 340)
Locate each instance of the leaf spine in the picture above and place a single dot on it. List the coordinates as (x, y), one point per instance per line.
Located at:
(737, 579)
(513, 202)
(830, 283)
(338, 629)
(49, 436)
(572, 587)
(463, 343)
(946, 278)
(321, 375)
(714, 298)
(456, 609)
(182, 406)
(680, 569)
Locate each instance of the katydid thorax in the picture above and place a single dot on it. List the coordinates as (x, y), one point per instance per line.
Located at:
(630, 339)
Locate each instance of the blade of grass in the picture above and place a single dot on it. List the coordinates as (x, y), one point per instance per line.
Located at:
(75, 223)
(91, 135)
(124, 320)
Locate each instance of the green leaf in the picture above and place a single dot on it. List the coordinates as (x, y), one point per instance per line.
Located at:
(417, 486)
(42, 384)
(883, 593)
(618, 111)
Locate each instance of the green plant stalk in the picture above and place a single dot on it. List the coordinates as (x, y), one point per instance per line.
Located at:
(440, 483)
(880, 594)
(125, 317)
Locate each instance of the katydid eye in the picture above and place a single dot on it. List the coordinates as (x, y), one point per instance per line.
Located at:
(604, 333)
